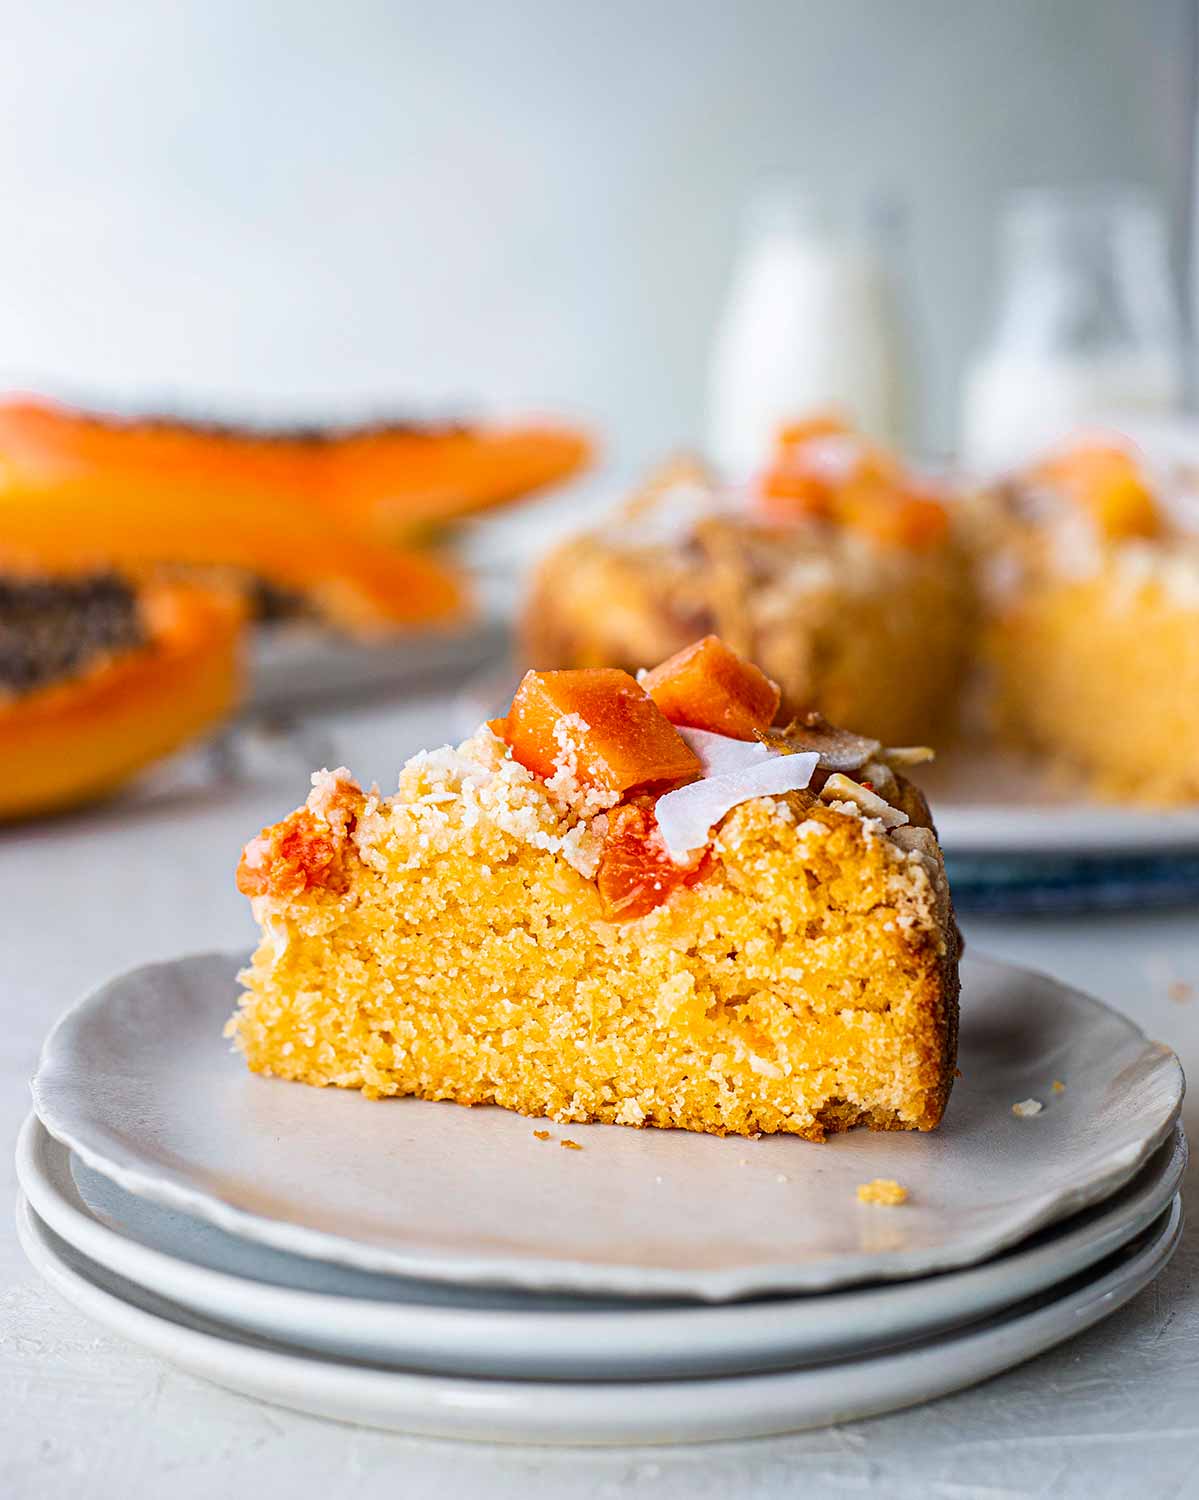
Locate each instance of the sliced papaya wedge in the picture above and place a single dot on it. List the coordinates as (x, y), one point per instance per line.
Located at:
(393, 477)
(79, 738)
(66, 502)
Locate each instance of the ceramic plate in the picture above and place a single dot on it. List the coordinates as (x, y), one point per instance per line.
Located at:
(991, 802)
(588, 1411)
(298, 666)
(480, 1331)
(139, 1082)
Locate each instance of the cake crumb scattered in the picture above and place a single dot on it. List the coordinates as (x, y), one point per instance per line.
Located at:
(542, 1135)
(1180, 991)
(1058, 1086)
(1027, 1108)
(782, 1178)
(569, 1145)
(883, 1190)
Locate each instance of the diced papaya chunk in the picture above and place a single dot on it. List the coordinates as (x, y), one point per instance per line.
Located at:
(708, 686)
(598, 724)
(894, 517)
(820, 424)
(794, 494)
(1107, 481)
(635, 872)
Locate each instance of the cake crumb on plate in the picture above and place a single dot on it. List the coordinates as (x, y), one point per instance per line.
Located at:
(570, 1145)
(542, 1135)
(884, 1190)
(1027, 1108)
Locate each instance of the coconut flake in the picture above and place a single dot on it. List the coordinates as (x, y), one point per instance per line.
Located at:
(840, 788)
(899, 757)
(720, 754)
(686, 817)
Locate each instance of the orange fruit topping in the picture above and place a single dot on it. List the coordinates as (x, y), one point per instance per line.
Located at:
(635, 872)
(708, 686)
(598, 723)
(1107, 481)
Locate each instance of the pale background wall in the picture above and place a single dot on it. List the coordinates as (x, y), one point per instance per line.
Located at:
(520, 203)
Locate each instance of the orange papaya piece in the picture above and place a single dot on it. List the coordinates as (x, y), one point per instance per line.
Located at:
(1108, 482)
(397, 476)
(895, 517)
(635, 873)
(708, 686)
(400, 479)
(80, 738)
(821, 424)
(600, 725)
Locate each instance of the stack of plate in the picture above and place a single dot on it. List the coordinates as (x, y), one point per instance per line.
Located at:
(449, 1272)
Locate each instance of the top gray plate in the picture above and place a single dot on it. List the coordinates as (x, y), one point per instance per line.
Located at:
(139, 1082)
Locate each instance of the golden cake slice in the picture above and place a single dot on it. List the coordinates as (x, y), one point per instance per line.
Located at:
(590, 912)
(834, 532)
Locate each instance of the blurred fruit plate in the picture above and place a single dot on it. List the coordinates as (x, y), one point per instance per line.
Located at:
(296, 668)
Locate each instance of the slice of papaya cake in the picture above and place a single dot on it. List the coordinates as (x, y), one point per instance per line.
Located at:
(634, 902)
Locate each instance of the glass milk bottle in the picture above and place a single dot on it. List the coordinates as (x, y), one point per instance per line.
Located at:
(811, 322)
(1087, 330)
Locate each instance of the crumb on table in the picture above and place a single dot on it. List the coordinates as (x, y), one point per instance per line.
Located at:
(1025, 1109)
(542, 1135)
(1180, 991)
(884, 1190)
(1058, 1086)
(570, 1145)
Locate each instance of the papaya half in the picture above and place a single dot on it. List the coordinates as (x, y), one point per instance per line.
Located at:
(82, 736)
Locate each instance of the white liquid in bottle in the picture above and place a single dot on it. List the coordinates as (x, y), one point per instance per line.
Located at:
(810, 323)
(1087, 330)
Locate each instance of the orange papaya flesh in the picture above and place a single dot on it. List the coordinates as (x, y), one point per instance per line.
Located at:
(708, 685)
(392, 475)
(635, 873)
(1107, 481)
(598, 724)
(80, 738)
(870, 493)
(401, 481)
(78, 521)
(897, 517)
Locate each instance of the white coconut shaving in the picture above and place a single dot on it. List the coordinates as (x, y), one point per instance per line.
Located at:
(719, 754)
(686, 817)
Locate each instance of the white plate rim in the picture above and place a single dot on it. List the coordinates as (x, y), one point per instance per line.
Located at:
(176, 1192)
(603, 1412)
(729, 1338)
(1090, 829)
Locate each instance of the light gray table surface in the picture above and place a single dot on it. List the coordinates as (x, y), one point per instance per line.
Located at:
(83, 1414)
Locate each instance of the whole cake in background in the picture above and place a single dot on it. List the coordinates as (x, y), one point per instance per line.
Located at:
(1054, 614)
(642, 904)
(1089, 578)
(839, 571)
